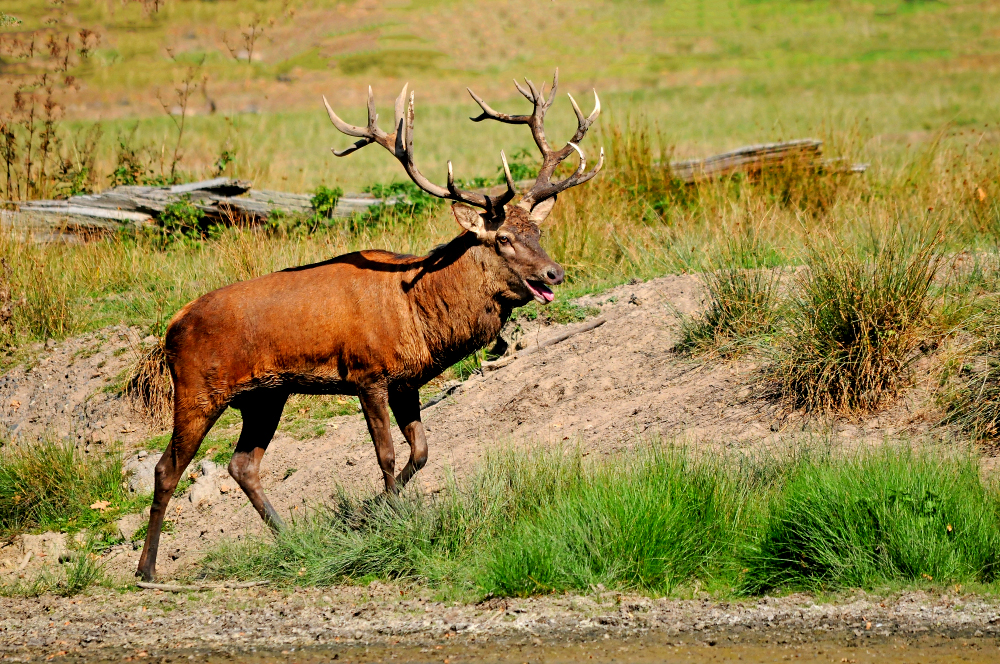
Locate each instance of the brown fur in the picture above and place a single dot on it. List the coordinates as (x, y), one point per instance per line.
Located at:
(372, 324)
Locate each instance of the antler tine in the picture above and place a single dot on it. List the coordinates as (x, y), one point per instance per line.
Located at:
(535, 97)
(506, 171)
(583, 123)
(508, 195)
(342, 126)
(523, 91)
(399, 110)
(555, 87)
(372, 115)
(597, 107)
(489, 114)
(583, 160)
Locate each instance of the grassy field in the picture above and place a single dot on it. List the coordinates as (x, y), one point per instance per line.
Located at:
(902, 261)
(712, 74)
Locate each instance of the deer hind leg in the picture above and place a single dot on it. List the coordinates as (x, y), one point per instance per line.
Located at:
(405, 404)
(375, 405)
(190, 429)
(261, 414)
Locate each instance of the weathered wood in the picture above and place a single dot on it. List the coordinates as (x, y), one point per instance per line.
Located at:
(803, 153)
(217, 186)
(747, 159)
(179, 588)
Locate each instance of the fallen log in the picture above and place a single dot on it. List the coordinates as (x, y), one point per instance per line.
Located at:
(130, 207)
(228, 202)
(804, 153)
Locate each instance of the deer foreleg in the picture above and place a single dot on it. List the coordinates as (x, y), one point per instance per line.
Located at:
(405, 404)
(375, 405)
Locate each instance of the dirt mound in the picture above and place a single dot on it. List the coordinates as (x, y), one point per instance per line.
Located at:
(604, 389)
(71, 390)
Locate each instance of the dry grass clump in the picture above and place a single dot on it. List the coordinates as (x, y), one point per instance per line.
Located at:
(973, 401)
(856, 322)
(743, 303)
(970, 383)
(148, 385)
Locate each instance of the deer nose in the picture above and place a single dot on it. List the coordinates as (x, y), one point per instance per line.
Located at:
(554, 275)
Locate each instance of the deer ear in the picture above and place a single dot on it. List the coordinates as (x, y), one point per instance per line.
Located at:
(469, 219)
(541, 211)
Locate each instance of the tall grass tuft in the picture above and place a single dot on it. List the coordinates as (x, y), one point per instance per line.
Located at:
(50, 484)
(409, 536)
(890, 515)
(651, 523)
(743, 304)
(856, 321)
(970, 390)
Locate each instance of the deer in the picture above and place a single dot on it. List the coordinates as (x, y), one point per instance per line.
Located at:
(371, 324)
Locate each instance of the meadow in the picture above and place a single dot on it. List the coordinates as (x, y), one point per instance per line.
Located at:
(838, 283)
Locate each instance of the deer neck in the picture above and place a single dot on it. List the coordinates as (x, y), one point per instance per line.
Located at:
(458, 298)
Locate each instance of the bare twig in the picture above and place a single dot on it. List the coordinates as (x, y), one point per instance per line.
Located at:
(176, 588)
(182, 96)
(504, 361)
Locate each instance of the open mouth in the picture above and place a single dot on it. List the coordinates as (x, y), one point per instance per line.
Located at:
(543, 294)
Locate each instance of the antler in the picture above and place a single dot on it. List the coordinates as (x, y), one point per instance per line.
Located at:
(544, 187)
(400, 144)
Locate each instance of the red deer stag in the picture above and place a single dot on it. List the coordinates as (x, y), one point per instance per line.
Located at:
(371, 323)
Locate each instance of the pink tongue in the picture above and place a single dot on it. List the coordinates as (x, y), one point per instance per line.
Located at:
(542, 290)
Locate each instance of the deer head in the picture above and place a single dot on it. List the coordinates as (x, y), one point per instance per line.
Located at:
(512, 231)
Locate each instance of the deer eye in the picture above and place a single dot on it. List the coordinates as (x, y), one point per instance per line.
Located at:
(503, 239)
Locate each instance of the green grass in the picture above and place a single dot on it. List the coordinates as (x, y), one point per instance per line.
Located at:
(82, 570)
(659, 520)
(649, 523)
(890, 515)
(49, 485)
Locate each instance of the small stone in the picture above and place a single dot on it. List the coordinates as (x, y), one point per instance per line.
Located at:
(209, 467)
(51, 545)
(358, 635)
(141, 472)
(204, 490)
(50, 344)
